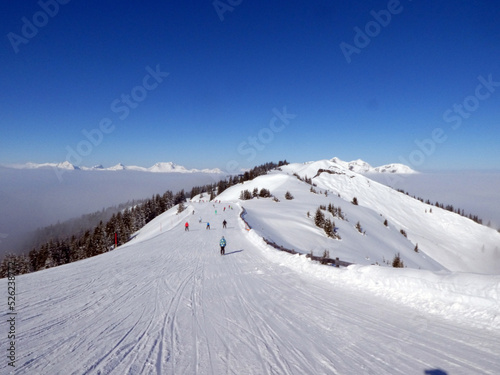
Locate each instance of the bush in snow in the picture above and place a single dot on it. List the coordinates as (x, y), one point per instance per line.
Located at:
(397, 262)
(385, 222)
(358, 227)
(355, 201)
(288, 195)
(416, 248)
(403, 232)
(264, 193)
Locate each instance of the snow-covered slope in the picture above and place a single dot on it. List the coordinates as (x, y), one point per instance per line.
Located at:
(445, 240)
(168, 303)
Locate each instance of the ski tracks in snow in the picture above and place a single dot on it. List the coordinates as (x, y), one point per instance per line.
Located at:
(171, 304)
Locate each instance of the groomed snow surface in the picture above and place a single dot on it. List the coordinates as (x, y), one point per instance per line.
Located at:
(168, 303)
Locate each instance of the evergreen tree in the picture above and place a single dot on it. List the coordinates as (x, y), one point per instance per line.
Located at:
(319, 218)
(245, 195)
(328, 227)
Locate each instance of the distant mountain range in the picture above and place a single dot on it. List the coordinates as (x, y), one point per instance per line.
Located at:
(358, 166)
(168, 167)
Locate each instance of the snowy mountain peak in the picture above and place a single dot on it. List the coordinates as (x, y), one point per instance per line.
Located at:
(167, 167)
(117, 167)
(360, 166)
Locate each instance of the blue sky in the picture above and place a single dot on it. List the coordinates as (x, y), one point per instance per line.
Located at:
(235, 83)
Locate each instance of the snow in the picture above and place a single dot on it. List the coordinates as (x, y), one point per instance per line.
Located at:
(360, 166)
(168, 303)
(162, 167)
(446, 241)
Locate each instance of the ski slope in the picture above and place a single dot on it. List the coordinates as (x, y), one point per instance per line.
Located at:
(168, 303)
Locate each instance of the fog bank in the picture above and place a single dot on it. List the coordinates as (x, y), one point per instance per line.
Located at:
(476, 192)
(33, 198)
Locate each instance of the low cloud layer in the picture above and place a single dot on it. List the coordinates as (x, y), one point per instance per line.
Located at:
(30, 199)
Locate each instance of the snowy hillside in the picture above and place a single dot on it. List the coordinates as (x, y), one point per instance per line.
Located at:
(168, 303)
(445, 240)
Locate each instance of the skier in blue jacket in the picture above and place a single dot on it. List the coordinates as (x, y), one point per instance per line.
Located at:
(222, 244)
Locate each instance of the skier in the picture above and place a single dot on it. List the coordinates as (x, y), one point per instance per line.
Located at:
(186, 227)
(222, 244)
(208, 225)
(224, 223)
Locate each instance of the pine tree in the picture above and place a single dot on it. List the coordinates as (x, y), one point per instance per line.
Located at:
(288, 195)
(319, 218)
(328, 227)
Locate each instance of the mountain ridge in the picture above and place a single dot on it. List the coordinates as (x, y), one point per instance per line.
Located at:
(358, 166)
(160, 167)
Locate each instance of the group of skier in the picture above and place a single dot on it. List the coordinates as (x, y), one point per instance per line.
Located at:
(222, 241)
